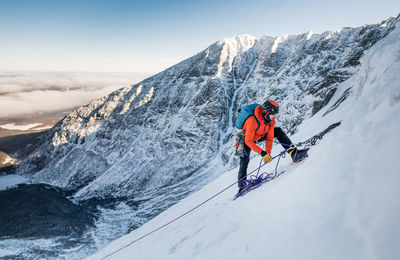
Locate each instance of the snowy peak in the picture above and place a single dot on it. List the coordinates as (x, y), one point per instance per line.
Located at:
(238, 44)
(226, 50)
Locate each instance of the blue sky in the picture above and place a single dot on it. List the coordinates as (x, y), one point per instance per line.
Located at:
(151, 35)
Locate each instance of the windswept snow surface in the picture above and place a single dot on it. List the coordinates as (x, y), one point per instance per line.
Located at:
(343, 202)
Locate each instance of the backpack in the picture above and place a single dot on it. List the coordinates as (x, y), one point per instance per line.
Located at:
(244, 113)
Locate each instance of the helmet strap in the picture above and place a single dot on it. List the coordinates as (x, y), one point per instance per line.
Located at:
(266, 118)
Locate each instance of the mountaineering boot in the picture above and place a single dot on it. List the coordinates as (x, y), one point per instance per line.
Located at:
(298, 154)
(239, 193)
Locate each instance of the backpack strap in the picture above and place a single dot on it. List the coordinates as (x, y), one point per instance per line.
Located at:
(258, 123)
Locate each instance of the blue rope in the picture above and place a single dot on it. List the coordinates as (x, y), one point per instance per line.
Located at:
(255, 180)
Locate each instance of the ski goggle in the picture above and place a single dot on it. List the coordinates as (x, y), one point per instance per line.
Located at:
(271, 110)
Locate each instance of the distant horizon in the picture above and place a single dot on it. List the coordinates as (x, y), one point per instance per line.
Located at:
(4, 72)
(32, 94)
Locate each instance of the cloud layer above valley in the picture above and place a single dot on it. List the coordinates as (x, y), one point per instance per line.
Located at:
(31, 93)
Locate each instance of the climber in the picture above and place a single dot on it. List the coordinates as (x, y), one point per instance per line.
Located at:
(261, 127)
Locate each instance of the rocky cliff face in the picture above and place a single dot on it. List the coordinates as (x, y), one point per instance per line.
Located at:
(174, 126)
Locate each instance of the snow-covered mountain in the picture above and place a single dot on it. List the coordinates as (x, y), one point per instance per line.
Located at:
(343, 202)
(178, 123)
(141, 149)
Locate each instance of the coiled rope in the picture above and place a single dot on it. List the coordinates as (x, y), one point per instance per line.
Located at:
(255, 180)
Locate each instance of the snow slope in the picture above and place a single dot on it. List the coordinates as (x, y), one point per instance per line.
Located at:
(341, 203)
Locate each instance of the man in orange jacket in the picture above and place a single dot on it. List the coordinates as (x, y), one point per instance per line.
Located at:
(265, 115)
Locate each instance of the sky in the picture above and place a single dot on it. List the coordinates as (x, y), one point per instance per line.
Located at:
(152, 35)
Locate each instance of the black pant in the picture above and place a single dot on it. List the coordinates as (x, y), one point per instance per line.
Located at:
(245, 158)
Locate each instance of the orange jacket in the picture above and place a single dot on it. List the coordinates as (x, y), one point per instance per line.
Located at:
(264, 130)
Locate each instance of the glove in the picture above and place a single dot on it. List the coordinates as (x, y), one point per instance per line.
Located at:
(266, 157)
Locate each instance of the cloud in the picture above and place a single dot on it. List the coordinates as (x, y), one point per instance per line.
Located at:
(30, 93)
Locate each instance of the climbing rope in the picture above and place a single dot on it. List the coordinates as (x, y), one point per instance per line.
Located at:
(269, 177)
(313, 140)
(252, 181)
